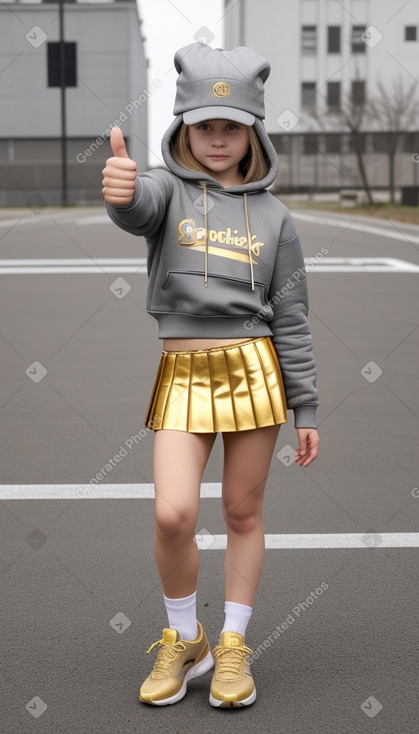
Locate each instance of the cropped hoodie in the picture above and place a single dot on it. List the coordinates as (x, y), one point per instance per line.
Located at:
(225, 263)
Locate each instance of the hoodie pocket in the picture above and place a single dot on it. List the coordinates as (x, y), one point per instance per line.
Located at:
(184, 292)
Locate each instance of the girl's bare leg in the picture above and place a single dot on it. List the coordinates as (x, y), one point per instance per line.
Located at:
(247, 458)
(179, 462)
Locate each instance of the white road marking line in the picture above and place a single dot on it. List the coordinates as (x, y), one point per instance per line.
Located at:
(9, 222)
(70, 266)
(361, 265)
(77, 261)
(344, 540)
(352, 225)
(34, 218)
(64, 217)
(95, 219)
(205, 539)
(91, 491)
(74, 271)
(321, 541)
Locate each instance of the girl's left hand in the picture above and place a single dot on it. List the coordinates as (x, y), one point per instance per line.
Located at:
(308, 444)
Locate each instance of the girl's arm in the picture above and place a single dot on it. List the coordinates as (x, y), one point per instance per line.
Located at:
(288, 296)
(136, 204)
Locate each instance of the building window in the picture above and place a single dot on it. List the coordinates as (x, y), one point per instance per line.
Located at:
(358, 93)
(380, 142)
(311, 144)
(358, 45)
(281, 143)
(410, 142)
(333, 39)
(357, 141)
(54, 64)
(309, 39)
(333, 96)
(308, 95)
(333, 143)
(410, 33)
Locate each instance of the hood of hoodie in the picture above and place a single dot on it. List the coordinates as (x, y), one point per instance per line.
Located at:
(206, 181)
(197, 176)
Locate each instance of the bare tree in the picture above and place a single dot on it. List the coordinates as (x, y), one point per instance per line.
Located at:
(355, 114)
(396, 111)
(351, 116)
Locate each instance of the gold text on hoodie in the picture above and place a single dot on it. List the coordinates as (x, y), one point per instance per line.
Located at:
(194, 237)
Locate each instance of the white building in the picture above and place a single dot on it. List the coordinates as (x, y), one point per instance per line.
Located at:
(324, 53)
(106, 84)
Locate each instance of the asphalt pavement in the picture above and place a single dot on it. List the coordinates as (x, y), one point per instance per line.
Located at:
(81, 599)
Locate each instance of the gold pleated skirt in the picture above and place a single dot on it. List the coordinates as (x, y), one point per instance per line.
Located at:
(233, 388)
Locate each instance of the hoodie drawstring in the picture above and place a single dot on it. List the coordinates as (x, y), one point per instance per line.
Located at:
(249, 239)
(204, 186)
(249, 235)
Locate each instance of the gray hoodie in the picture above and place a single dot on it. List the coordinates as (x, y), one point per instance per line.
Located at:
(225, 263)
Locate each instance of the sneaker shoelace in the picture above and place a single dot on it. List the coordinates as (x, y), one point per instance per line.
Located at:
(230, 659)
(165, 657)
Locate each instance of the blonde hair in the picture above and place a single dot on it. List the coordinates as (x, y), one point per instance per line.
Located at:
(253, 167)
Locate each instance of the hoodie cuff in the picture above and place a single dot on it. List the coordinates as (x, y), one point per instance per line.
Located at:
(305, 416)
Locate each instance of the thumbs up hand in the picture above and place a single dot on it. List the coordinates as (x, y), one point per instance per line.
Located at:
(119, 173)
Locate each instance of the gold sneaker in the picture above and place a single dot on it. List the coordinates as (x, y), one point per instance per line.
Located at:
(177, 662)
(232, 684)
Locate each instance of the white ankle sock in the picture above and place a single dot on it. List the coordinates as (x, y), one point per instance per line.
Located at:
(182, 616)
(236, 617)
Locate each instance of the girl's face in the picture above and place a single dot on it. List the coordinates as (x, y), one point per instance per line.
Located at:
(219, 146)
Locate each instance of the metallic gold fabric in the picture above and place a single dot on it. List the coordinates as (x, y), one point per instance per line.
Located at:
(233, 388)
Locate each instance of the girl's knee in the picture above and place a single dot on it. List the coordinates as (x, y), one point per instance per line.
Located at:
(172, 522)
(240, 519)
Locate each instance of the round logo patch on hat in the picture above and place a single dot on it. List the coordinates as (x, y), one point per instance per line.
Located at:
(221, 89)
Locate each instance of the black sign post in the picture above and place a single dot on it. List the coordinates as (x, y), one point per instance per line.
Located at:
(64, 201)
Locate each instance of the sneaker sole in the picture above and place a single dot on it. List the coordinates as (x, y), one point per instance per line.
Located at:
(232, 704)
(199, 669)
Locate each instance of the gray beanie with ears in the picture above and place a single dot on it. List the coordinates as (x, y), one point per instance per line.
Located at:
(218, 84)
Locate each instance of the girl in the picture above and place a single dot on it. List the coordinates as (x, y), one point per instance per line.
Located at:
(227, 285)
